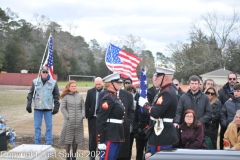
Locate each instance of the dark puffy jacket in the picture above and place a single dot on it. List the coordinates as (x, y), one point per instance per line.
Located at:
(198, 102)
(229, 111)
(224, 93)
(213, 124)
(180, 91)
(151, 93)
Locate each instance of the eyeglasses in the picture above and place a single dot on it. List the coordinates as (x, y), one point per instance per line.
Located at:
(232, 79)
(45, 72)
(210, 93)
(127, 83)
(176, 84)
(189, 117)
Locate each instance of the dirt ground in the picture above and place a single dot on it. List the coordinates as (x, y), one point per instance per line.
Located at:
(12, 108)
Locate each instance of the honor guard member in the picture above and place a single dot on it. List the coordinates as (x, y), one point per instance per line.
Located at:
(162, 134)
(110, 131)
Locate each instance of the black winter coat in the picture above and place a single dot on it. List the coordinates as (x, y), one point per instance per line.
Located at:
(229, 111)
(213, 125)
(225, 93)
(198, 102)
(151, 92)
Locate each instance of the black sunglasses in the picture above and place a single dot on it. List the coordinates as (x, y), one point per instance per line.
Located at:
(212, 94)
(232, 79)
(176, 84)
(127, 83)
(45, 72)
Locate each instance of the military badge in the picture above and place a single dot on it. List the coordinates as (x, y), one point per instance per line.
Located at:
(159, 101)
(105, 105)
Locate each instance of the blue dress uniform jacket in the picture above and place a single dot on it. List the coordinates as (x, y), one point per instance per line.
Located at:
(111, 108)
(164, 107)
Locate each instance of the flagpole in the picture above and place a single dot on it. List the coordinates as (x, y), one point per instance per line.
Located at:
(41, 65)
(111, 56)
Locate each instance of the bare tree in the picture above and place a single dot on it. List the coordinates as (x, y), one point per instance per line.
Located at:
(221, 28)
(71, 27)
(42, 23)
(131, 42)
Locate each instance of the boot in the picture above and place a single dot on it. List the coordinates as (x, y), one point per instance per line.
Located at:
(68, 158)
(73, 158)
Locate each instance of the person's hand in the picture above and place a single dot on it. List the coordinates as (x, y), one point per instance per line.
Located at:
(142, 101)
(176, 125)
(233, 148)
(54, 111)
(102, 146)
(29, 108)
(140, 131)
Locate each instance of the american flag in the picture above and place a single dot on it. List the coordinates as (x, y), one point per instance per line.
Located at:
(49, 60)
(118, 60)
(143, 85)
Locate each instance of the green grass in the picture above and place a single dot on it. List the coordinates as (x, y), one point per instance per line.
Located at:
(79, 83)
(12, 98)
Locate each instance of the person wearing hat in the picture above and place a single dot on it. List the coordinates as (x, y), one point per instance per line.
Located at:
(127, 101)
(45, 94)
(110, 132)
(162, 134)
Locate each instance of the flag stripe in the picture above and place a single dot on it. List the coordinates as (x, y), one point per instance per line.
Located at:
(49, 60)
(118, 60)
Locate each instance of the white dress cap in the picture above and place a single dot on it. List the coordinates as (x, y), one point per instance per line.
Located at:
(162, 70)
(115, 77)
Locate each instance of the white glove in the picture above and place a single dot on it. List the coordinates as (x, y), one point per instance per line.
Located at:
(102, 146)
(142, 101)
(233, 148)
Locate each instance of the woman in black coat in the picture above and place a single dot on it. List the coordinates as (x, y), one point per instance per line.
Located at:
(213, 125)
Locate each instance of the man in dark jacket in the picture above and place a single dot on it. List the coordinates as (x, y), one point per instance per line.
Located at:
(224, 94)
(230, 107)
(196, 100)
(180, 92)
(90, 113)
(152, 91)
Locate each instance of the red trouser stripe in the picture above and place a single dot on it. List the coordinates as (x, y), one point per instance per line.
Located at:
(107, 150)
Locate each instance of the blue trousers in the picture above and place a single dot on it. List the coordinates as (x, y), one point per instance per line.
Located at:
(111, 152)
(38, 116)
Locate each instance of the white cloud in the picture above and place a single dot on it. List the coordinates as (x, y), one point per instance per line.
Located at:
(158, 23)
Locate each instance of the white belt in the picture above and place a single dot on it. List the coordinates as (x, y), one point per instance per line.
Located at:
(163, 119)
(111, 120)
